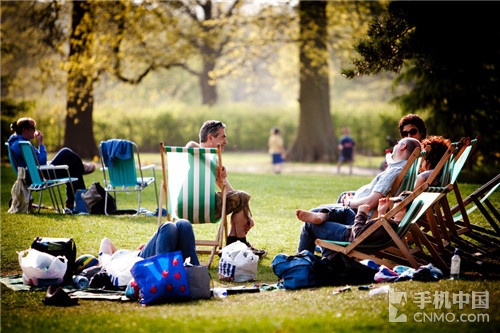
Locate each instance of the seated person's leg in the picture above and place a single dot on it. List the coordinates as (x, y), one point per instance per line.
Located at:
(164, 240)
(327, 230)
(186, 241)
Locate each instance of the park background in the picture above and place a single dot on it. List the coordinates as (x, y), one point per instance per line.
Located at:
(452, 82)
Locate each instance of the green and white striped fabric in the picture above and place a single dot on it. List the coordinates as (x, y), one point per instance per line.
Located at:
(191, 183)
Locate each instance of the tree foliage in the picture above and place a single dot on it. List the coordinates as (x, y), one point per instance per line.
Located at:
(449, 55)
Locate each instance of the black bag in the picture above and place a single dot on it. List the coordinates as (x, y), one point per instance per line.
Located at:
(94, 199)
(339, 269)
(58, 247)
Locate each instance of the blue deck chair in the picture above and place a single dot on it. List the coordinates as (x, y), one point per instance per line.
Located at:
(189, 190)
(43, 177)
(124, 173)
(395, 250)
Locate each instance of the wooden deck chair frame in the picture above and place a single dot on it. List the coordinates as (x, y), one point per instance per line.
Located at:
(126, 175)
(395, 250)
(195, 207)
(452, 169)
(407, 178)
(479, 199)
(443, 216)
(431, 222)
(43, 177)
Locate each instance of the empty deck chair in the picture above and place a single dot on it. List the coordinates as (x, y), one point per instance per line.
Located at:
(124, 173)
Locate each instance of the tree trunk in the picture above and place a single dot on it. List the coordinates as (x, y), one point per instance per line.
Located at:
(315, 140)
(79, 135)
(208, 89)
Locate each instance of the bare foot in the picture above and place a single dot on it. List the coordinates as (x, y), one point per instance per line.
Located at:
(312, 217)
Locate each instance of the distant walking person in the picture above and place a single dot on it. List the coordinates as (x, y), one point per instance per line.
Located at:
(346, 148)
(276, 149)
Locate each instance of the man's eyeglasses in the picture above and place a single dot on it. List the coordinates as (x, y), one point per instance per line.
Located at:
(413, 131)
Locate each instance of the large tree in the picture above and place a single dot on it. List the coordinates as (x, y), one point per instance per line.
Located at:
(80, 81)
(214, 38)
(452, 65)
(315, 139)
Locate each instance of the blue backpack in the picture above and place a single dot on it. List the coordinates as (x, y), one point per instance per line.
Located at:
(296, 271)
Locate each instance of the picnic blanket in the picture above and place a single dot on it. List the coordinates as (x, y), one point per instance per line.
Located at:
(15, 282)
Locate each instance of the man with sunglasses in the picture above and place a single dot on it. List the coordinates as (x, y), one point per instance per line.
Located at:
(213, 133)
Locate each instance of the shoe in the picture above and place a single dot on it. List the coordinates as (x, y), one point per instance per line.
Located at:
(58, 297)
(260, 253)
(88, 168)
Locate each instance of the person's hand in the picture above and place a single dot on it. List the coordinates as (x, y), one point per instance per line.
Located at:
(364, 208)
(223, 172)
(383, 205)
(141, 246)
(248, 225)
(345, 200)
(39, 137)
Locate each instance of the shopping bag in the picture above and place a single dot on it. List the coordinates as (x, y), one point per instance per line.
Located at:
(42, 269)
(161, 278)
(58, 247)
(238, 263)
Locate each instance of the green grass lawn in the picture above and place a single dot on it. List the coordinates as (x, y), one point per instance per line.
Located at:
(273, 204)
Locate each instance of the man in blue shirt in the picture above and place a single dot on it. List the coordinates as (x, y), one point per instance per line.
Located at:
(346, 148)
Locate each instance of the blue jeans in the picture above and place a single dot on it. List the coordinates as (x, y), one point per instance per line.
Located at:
(172, 237)
(334, 228)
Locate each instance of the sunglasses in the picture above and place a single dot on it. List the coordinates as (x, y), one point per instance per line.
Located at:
(413, 131)
(31, 127)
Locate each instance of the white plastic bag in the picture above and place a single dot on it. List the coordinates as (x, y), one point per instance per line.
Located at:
(238, 263)
(42, 269)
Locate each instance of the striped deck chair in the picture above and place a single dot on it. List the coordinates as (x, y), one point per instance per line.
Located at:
(450, 172)
(189, 190)
(395, 250)
(442, 215)
(442, 173)
(124, 173)
(43, 177)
